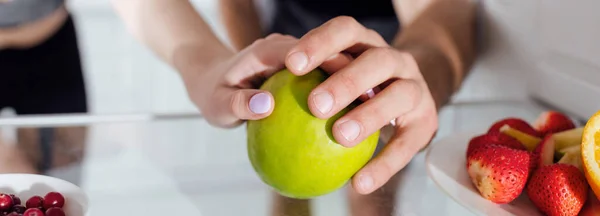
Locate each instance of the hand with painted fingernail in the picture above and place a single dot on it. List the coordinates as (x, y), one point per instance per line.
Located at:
(386, 81)
(226, 92)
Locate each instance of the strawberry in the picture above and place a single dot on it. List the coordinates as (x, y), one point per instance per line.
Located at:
(543, 154)
(558, 189)
(516, 123)
(494, 138)
(591, 207)
(552, 122)
(499, 173)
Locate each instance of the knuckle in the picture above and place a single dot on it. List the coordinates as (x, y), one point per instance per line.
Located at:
(385, 55)
(387, 166)
(347, 83)
(347, 24)
(234, 103)
(344, 21)
(289, 36)
(258, 42)
(407, 90)
(374, 35)
(273, 36)
(383, 58)
(431, 119)
(374, 117)
(411, 90)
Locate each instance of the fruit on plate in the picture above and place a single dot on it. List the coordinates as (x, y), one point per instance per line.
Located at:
(572, 156)
(55, 211)
(6, 202)
(591, 206)
(54, 199)
(293, 151)
(548, 165)
(558, 189)
(50, 205)
(498, 172)
(567, 139)
(590, 152)
(528, 140)
(35, 202)
(570, 149)
(494, 138)
(516, 123)
(552, 122)
(543, 153)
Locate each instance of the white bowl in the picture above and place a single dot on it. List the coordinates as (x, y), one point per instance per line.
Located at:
(27, 185)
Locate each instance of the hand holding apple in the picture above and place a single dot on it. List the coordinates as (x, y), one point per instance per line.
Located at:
(369, 64)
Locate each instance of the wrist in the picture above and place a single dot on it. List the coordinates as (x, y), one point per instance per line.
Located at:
(192, 60)
(436, 70)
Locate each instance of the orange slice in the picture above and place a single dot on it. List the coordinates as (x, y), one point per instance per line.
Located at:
(590, 152)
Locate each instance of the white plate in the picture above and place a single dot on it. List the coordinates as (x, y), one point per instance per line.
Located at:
(446, 166)
(27, 185)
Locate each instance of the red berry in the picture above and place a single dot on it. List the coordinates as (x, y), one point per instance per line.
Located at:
(54, 211)
(54, 199)
(13, 214)
(33, 212)
(19, 209)
(16, 199)
(6, 202)
(35, 202)
(515, 123)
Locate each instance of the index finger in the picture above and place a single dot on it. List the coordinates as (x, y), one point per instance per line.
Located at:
(339, 34)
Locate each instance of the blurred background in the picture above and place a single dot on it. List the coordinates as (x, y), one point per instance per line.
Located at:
(520, 38)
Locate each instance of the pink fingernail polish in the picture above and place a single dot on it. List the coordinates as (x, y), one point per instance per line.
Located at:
(260, 103)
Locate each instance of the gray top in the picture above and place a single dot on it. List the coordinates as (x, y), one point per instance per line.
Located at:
(17, 12)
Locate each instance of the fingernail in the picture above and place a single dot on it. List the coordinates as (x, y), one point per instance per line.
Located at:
(365, 182)
(298, 60)
(349, 130)
(323, 101)
(260, 103)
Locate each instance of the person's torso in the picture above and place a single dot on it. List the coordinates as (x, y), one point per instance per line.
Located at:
(19, 12)
(356, 8)
(26, 23)
(296, 17)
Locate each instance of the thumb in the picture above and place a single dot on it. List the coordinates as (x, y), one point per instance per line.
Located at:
(251, 104)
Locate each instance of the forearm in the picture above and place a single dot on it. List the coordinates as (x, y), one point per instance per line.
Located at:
(173, 30)
(442, 40)
(241, 21)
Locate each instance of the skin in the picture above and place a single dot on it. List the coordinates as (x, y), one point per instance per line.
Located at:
(241, 22)
(34, 33)
(435, 47)
(69, 141)
(413, 77)
(418, 72)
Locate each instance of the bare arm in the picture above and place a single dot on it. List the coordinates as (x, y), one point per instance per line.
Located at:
(241, 21)
(173, 30)
(442, 39)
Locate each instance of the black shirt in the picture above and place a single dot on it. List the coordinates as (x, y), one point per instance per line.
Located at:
(296, 17)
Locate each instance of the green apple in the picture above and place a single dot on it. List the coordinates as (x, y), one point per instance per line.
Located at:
(293, 151)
